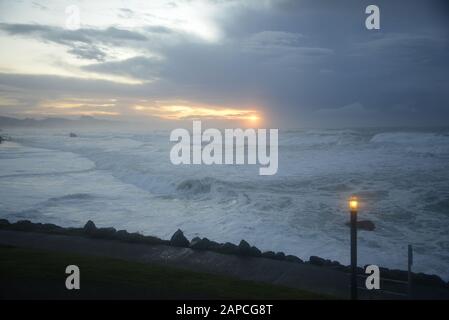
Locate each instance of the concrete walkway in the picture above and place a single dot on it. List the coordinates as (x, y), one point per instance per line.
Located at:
(303, 276)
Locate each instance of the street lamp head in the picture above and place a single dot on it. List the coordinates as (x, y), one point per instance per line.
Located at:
(353, 203)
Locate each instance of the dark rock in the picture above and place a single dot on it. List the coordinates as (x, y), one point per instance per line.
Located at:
(154, 240)
(269, 255)
(23, 225)
(105, 233)
(73, 231)
(428, 279)
(122, 235)
(90, 227)
(228, 248)
(179, 240)
(51, 228)
(244, 248)
(335, 263)
(203, 244)
(135, 237)
(279, 256)
(292, 258)
(4, 223)
(73, 135)
(341, 268)
(317, 261)
(364, 225)
(195, 239)
(255, 252)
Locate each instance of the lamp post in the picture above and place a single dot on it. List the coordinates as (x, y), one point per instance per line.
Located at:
(353, 205)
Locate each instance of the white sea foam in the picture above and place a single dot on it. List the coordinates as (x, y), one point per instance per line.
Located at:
(126, 180)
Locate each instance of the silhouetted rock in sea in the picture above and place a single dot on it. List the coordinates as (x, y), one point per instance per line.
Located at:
(179, 240)
(73, 135)
(364, 225)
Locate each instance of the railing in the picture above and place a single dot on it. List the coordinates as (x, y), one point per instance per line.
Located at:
(396, 284)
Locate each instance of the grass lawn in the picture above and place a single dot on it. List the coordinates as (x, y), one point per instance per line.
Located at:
(35, 274)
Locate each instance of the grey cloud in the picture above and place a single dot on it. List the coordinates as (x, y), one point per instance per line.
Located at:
(83, 43)
(350, 110)
(125, 13)
(39, 6)
(270, 38)
(84, 34)
(87, 52)
(142, 68)
(158, 29)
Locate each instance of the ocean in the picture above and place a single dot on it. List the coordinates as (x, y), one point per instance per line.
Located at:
(126, 180)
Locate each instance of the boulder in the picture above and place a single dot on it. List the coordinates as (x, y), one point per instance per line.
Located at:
(279, 256)
(228, 248)
(4, 223)
(195, 239)
(135, 237)
(428, 279)
(203, 244)
(292, 258)
(364, 225)
(334, 263)
(90, 227)
(106, 233)
(255, 252)
(51, 228)
(154, 240)
(269, 255)
(23, 225)
(179, 240)
(73, 231)
(317, 261)
(244, 248)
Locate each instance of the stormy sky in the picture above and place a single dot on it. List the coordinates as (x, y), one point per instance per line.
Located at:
(285, 63)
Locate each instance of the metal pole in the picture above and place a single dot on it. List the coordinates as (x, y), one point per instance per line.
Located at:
(353, 254)
(410, 263)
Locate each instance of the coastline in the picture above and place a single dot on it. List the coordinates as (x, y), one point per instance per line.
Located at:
(242, 261)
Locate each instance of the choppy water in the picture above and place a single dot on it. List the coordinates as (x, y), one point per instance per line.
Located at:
(126, 180)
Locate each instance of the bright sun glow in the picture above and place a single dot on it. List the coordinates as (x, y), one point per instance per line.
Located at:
(185, 112)
(253, 118)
